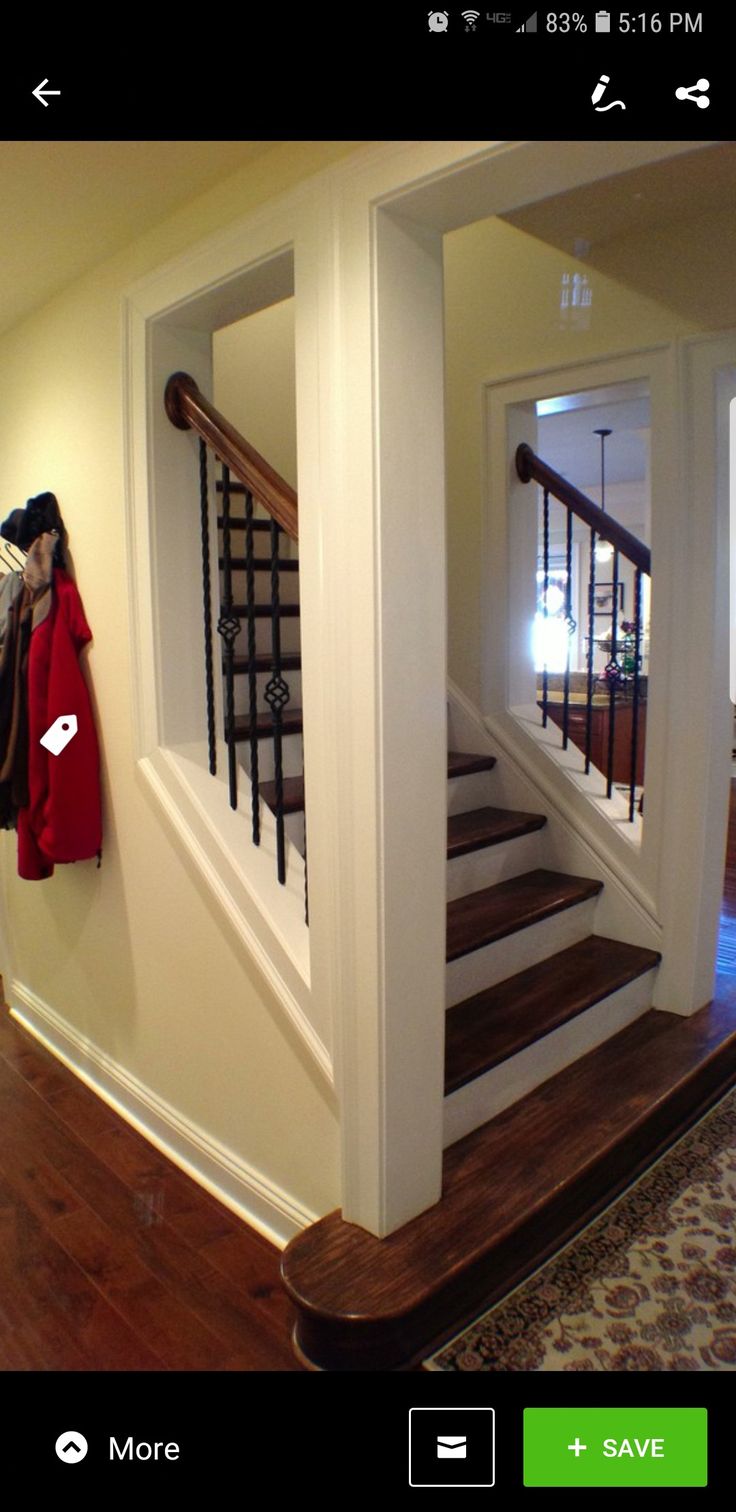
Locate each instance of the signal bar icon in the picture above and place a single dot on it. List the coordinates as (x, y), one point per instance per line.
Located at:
(530, 25)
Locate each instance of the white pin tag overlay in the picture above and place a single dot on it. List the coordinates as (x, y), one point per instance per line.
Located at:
(59, 734)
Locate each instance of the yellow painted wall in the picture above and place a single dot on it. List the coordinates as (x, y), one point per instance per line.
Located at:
(133, 956)
(502, 313)
(255, 382)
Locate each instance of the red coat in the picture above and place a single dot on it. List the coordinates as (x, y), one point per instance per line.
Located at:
(63, 819)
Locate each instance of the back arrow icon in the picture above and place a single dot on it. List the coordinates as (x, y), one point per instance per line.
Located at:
(40, 91)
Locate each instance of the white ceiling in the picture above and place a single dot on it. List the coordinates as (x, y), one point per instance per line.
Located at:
(66, 206)
(567, 439)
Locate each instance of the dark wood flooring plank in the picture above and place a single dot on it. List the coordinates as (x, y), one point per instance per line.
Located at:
(135, 1229)
(43, 1287)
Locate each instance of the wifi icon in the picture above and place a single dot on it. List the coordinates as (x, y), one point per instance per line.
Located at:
(470, 17)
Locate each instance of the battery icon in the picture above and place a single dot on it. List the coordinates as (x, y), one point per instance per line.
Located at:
(603, 21)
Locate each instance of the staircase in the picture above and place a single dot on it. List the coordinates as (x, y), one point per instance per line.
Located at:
(530, 985)
(561, 1083)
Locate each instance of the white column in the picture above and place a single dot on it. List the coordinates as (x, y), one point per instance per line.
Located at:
(374, 640)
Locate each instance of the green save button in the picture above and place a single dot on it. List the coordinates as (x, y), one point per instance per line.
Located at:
(615, 1446)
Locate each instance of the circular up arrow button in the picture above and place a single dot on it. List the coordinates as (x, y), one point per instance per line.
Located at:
(71, 1447)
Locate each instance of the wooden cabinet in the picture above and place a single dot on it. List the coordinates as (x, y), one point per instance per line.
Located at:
(600, 725)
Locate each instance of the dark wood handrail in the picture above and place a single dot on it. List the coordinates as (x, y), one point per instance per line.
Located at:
(529, 465)
(188, 409)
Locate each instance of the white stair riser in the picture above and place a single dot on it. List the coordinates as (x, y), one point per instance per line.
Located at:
(488, 1095)
(471, 792)
(494, 863)
(292, 758)
(494, 963)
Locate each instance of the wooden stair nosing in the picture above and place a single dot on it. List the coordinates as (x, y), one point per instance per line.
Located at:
(488, 826)
(291, 724)
(291, 661)
(491, 1026)
(263, 611)
(293, 794)
(261, 564)
(297, 789)
(236, 487)
(464, 763)
(492, 913)
(515, 1190)
(239, 523)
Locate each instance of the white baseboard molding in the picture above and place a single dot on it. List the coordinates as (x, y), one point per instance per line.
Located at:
(228, 1178)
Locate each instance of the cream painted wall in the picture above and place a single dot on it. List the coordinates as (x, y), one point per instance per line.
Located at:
(255, 382)
(133, 956)
(502, 308)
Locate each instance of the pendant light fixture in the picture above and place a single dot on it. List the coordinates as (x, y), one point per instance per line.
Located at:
(604, 549)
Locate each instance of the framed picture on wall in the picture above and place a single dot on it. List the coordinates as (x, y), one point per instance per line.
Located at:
(603, 599)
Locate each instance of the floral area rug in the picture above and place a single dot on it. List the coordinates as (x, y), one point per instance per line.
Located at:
(649, 1285)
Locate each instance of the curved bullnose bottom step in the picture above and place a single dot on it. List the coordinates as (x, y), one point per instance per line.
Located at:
(514, 1191)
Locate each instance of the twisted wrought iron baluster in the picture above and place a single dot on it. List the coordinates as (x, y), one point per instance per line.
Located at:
(250, 591)
(635, 709)
(277, 696)
(591, 654)
(306, 873)
(571, 628)
(614, 677)
(207, 596)
(545, 610)
(229, 628)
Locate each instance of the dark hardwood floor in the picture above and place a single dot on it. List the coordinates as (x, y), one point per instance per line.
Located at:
(111, 1258)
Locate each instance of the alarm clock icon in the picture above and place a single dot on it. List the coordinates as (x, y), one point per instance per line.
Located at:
(438, 21)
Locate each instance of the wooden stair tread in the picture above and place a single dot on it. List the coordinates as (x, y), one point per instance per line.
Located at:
(500, 1021)
(488, 826)
(263, 611)
(238, 522)
(261, 564)
(263, 662)
(494, 912)
(291, 724)
(293, 795)
(463, 763)
(514, 1190)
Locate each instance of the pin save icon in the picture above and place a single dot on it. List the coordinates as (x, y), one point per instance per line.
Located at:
(71, 1447)
(60, 733)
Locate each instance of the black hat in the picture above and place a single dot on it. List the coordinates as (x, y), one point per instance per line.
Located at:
(23, 526)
